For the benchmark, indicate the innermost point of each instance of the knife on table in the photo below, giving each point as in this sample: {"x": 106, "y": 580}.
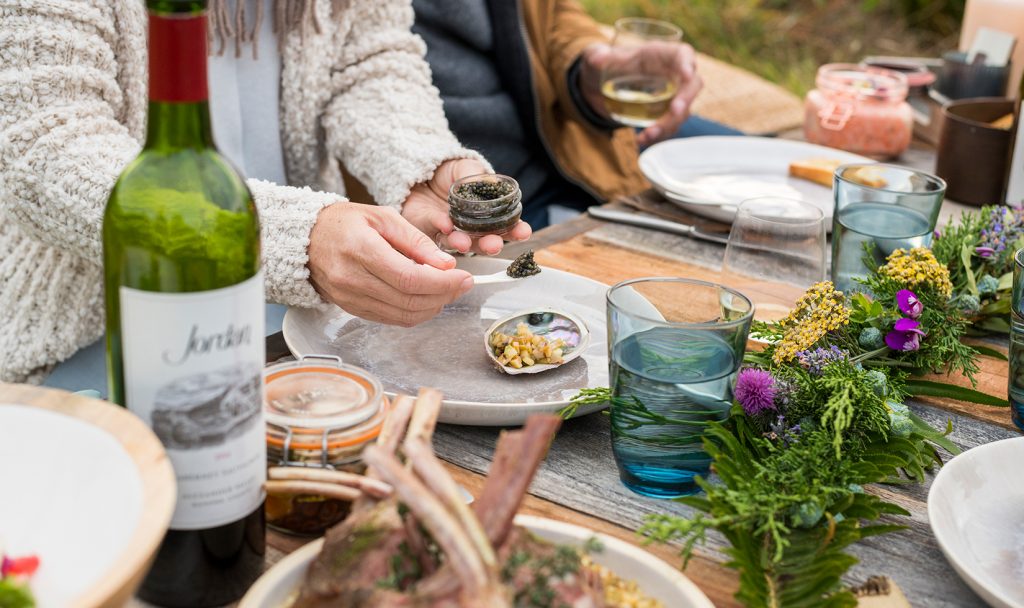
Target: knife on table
{"x": 655, "y": 223}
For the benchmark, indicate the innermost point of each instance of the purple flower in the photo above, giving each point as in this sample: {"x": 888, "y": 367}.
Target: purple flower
{"x": 905, "y": 335}
{"x": 780, "y": 429}
{"x": 814, "y": 361}
{"x": 985, "y": 252}
{"x": 755, "y": 390}
{"x": 909, "y": 304}
{"x": 936, "y": 233}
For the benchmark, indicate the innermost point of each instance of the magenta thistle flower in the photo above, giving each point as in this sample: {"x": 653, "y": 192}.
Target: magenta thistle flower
{"x": 909, "y": 304}
{"x": 755, "y": 391}
{"x": 905, "y": 335}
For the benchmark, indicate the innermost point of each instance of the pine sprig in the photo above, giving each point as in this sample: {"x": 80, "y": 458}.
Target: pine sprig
{"x": 788, "y": 514}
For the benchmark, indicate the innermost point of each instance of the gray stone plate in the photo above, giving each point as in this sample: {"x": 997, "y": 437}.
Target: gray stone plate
{"x": 447, "y": 352}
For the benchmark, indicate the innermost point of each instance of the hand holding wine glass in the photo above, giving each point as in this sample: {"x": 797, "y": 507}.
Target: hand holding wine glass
{"x": 646, "y": 78}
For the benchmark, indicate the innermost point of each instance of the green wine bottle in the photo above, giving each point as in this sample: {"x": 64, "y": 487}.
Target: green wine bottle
{"x": 185, "y": 322}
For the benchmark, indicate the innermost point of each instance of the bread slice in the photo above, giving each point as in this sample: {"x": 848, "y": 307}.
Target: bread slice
{"x": 821, "y": 170}
{"x": 817, "y": 170}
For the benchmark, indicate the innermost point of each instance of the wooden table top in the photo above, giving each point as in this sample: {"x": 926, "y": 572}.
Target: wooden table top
{"x": 579, "y": 483}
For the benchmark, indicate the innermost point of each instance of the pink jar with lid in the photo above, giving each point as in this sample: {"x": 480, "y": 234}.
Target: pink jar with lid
{"x": 859, "y": 109}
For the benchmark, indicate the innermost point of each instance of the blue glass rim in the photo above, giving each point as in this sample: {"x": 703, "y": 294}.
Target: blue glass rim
{"x": 731, "y": 324}
{"x": 939, "y": 183}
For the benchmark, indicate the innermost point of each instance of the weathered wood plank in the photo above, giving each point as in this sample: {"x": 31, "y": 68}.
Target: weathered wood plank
{"x": 580, "y": 474}
{"x": 579, "y": 481}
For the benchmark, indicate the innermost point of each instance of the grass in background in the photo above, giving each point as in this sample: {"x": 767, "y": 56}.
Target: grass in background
{"x": 786, "y": 40}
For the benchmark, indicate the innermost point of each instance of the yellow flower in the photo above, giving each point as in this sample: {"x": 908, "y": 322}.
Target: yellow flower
{"x": 820, "y": 310}
{"x": 917, "y": 267}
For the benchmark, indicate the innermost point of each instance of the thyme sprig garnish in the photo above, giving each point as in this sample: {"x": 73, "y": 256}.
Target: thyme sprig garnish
{"x": 586, "y": 396}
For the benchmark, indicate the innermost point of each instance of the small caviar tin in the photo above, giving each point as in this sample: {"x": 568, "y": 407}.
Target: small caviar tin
{"x": 320, "y": 413}
{"x": 485, "y": 204}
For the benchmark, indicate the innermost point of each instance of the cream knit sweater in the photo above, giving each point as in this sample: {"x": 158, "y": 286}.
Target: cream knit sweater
{"x": 73, "y": 113}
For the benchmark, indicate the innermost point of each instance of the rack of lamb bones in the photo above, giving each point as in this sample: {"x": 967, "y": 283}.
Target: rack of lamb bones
{"x": 424, "y": 547}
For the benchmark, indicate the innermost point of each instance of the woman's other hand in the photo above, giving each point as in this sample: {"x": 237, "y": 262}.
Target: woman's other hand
{"x": 374, "y": 264}
{"x": 427, "y": 209}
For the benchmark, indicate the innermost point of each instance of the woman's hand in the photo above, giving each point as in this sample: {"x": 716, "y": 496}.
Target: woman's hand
{"x": 427, "y": 209}
{"x": 674, "y": 60}
{"x": 374, "y": 264}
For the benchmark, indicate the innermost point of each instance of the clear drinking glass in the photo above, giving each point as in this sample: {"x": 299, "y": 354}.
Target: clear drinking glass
{"x": 881, "y": 208}
{"x": 776, "y": 250}
{"x": 676, "y": 346}
{"x": 637, "y": 92}
{"x": 1017, "y": 342}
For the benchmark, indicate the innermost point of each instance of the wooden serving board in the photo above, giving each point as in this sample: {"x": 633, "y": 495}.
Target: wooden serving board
{"x": 159, "y": 490}
{"x": 604, "y": 262}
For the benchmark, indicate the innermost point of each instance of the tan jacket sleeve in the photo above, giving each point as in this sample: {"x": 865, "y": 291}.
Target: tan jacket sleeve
{"x": 571, "y": 30}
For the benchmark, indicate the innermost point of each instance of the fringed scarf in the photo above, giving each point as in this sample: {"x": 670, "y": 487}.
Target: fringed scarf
{"x": 229, "y": 24}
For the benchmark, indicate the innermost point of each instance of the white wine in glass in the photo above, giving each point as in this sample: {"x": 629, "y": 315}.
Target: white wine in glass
{"x": 637, "y": 92}
{"x": 638, "y": 100}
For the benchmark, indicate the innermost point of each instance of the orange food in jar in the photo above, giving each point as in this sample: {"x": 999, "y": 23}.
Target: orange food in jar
{"x": 859, "y": 109}
{"x": 320, "y": 413}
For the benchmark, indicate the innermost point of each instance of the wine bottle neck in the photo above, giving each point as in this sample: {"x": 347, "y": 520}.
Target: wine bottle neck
{"x": 179, "y": 113}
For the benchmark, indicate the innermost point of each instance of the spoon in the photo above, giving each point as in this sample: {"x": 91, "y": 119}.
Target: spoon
{"x": 499, "y": 277}
{"x": 550, "y": 323}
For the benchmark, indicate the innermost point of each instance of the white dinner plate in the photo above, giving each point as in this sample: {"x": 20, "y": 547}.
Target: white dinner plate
{"x": 74, "y": 496}
{"x": 976, "y": 510}
{"x": 447, "y": 352}
{"x": 279, "y": 586}
{"x": 712, "y": 175}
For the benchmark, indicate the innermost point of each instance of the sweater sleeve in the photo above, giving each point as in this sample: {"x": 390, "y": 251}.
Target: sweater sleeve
{"x": 64, "y": 139}
{"x": 62, "y": 144}
{"x": 287, "y": 216}
{"x": 385, "y": 121}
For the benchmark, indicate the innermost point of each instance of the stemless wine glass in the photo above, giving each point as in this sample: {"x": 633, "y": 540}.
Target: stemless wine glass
{"x": 878, "y": 209}
{"x": 776, "y": 250}
{"x": 637, "y": 92}
{"x": 675, "y": 349}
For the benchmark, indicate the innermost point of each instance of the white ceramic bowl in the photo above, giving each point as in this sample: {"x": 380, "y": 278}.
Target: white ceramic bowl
{"x": 656, "y": 578}
{"x": 88, "y": 489}
{"x": 976, "y": 510}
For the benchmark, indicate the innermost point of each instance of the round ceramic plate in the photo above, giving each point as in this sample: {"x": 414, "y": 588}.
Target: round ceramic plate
{"x": 447, "y": 352}
{"x": 976, "y": 510}
{"x": 76, "y": 485}
{"x": 278, "y": 587}
{"x": 712, "y": 175}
